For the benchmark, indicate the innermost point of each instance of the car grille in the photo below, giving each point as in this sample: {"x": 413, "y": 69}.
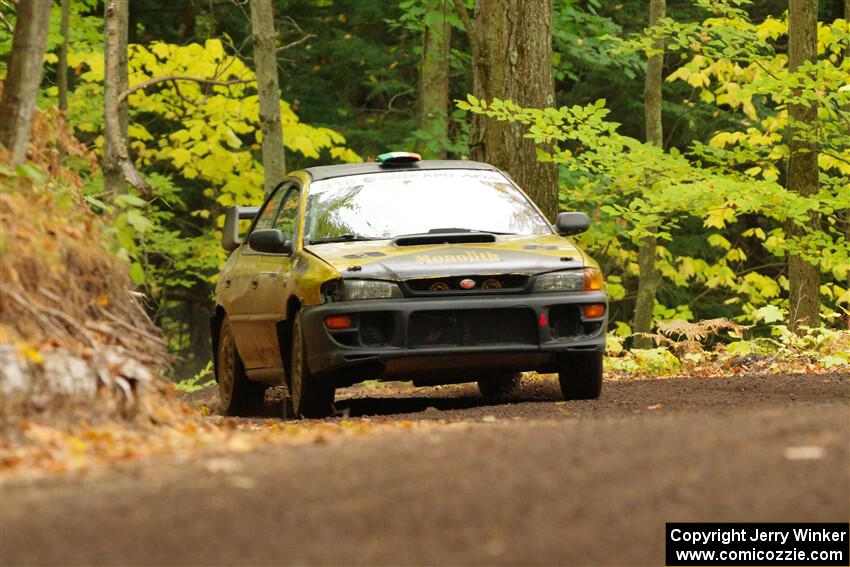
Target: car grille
{"x": 501, "y": 283}
{"x": 472, "y": 327}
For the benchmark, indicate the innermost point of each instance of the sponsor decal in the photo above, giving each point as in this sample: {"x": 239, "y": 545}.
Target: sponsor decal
{"x": 461, "y": 257}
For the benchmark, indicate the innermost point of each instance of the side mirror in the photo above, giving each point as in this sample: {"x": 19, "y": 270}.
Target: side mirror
{"x": 230, "y": 233}
{"x": 572, "y": 223}
{"x": 270, "y": 240}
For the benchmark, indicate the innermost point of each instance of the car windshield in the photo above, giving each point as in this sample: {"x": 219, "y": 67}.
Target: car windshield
{"x": 386, "y": 205}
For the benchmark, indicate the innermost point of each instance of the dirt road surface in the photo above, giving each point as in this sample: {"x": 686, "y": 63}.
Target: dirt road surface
{"x": 534, "y": 482}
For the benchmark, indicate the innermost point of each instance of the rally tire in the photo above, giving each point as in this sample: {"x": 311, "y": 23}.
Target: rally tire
{"x": 580, "y": 375}
{"x": 312, "y": 397}
{"x": 238, "y": 394}
{"x": 499, "y": 386}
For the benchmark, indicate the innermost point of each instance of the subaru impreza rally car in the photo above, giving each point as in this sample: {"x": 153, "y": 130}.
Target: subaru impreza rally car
{"x": 402, "y": 269}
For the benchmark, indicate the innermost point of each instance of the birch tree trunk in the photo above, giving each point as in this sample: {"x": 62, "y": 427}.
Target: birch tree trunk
{"x": 265, "y": 63}
{"x": 648, "y": 280}
{"x": 433, "y": 111}
{"x": 118, "y": 168}
{"x": 23, "y": 77}
{"x": 803, "y": 277}
{"x": 512, "y": 59}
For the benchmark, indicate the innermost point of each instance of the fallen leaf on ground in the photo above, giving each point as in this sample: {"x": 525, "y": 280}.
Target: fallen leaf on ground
{"x": 222, "y": 465}
{"x": 804, "y": 453}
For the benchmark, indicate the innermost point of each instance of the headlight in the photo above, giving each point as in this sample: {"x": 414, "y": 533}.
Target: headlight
{"x": 369, "y": 289}
{"x": 588, "y": 279}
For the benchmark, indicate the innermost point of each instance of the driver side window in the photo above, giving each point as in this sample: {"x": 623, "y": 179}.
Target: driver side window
{"x": 288, "y": 216}
{"x": 264, "y": 220}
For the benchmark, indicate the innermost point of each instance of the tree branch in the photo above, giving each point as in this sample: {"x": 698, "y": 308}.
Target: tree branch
{"x": 464, "y": 17}
{"x": 181, "y": 95}
{"x": 172, "y": 78}
{"x": 296, "y": 42}
{"x": 6, "y": 23}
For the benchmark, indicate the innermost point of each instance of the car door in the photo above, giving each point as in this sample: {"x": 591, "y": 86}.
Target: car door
{"x": 270, "y": 278}
{"x": 241, "y": 282}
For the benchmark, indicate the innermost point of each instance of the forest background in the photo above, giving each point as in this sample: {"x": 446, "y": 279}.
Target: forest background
{"x": 705, "y": 221}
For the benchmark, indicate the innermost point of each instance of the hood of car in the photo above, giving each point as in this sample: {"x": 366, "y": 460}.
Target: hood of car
{"x": 381, "y": 259}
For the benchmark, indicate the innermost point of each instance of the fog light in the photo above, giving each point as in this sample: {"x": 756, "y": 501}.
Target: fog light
{"x": 338, "y": 322}
{"x": 594, "y": 310}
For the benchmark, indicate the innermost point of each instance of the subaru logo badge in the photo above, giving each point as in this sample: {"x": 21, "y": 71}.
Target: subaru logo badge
{"x": 467, "y": 283}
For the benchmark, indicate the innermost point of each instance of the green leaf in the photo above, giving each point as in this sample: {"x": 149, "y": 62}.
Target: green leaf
{"x": 769, "y": 314}
{"x": 137, "y": 273}
{"x": 128, "y": 200}
{"x": 138, "y": 221}
{"x": 31, "y": 172}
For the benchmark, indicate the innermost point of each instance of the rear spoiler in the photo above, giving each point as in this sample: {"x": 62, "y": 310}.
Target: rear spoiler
{"x": 230, "y": 233}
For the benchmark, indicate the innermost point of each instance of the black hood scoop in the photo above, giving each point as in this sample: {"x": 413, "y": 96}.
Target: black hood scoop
{"x": 448, "y": 236}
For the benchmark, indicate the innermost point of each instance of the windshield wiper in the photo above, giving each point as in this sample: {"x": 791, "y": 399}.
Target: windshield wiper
{"x": 340, "y": 238}
{"x": 493, "y": 232}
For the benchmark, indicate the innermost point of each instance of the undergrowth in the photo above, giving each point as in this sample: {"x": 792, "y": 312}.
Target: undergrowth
{"x": 720, "y": 346}
{"x": 73, "y": 333}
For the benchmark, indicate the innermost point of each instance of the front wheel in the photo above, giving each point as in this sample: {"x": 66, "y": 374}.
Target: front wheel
{"x": 238, "y": 394}
{"x": 580, "y": 375}
{"x": 311, "y": 396}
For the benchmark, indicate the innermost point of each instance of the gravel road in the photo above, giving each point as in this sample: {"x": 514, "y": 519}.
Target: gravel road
{"x": 532, "y": 481}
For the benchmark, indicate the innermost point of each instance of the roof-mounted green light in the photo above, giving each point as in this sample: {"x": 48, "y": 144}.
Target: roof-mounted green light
{"x": 393, "y": 159}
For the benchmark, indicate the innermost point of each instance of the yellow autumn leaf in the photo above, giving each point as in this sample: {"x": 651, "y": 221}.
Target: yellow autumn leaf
{"x": 682, "y": 73}
{"x": 719, "y": 241}
{"x": 718, "y": 218}
{"x": 161, "y": 50}
{"x": 76, "y": 445}
{"x": 180, "y": 156}
{"x": 214, "y": 49}
{"x": 698, "y": 80}
{"x": 771, "y": 28}
{"x": 757, "y": 232}
{"x": 749, "y": 109}
{"x": 30, "y": 353}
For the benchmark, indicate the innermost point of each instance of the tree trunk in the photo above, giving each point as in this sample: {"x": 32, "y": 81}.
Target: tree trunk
{"x": 847, "y": 110}
{"x": 512, "y": 59}
{"x": 803, "y": 277}
{"x": 433, "y": 111}
{"x": 265, "y": 63}
{"x": 118, "y": 168}
{"x": 213, "y": 23}
{"x": 62, "y": 66}
{"x": 648, "y": 280}
{"x": 23, "y": 77}
{"x": 197, "y": 316}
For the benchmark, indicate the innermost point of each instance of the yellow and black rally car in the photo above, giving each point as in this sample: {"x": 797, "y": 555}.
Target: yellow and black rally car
{"x": 433, "y": 271}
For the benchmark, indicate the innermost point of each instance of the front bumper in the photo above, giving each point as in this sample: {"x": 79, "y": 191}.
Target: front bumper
{"x": 447, "y": 338}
